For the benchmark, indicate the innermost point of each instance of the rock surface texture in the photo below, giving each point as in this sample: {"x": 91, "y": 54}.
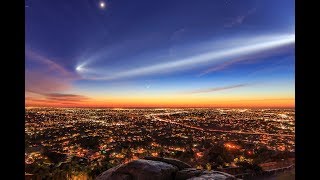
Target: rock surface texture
{"x": 156, "y": 168}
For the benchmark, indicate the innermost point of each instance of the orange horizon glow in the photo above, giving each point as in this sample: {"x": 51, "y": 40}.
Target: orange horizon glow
{"x": 169, "y": 103}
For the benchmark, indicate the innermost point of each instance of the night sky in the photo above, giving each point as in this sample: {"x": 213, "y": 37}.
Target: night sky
{"x": 166, "y": 53}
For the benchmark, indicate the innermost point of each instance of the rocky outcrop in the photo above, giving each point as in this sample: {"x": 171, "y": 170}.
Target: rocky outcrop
{"x": 214, "y": 175}
{"x": 187, "y": 173}
{"x": 156, "y": 168}
{"x": 181, "y": 165}
{"x": 140, "y": 169}
{"x": 211, "y": 177}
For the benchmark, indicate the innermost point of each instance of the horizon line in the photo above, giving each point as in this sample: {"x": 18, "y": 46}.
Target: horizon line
{"x": 153, "y": 107}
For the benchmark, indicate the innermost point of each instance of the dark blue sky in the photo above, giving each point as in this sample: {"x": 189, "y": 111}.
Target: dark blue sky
{"x": 159, "y": 47}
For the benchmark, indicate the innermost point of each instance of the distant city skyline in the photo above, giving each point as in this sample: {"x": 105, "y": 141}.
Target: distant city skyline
{"x": 121, "y": 53}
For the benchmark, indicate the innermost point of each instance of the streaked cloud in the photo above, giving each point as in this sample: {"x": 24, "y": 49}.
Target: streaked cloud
{"x": 240, "y": 19}
{"x": 45, "y": 83}
{"x": 46, "y": 89}
{"x": 244, "y": 47}
{"x": 221, "y": 66}
{"x": 251, "y": 58}
{"x": 216, "y": 89}
{"x": 177, "y": 34}
{"x": 37, "y": 81}
{"x": 30, "y": 101}
{"x": 65, "y": 97}
{"x": 48, "y": 63}
{"x": 53, "y": 99}
{"x": 46, "y": 75}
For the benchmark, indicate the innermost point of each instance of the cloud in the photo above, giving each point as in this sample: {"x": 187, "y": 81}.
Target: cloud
{"x": 251, "y": 58}
{"x": 177, "y": 34}
{"x": 65, "y": 97}
{"x": 216, "y": 89}
{"x": 46, "y": 75}
{"x": 54, "y": 99}
{"x": 30, "y": 102}
{"x": 236, "y": 21}
{"x": 221, "y": 66}
{"x": 239, "y": 19}
{"x": 244, "y": 47}
{"x": 48, "y": 63}
{"x": 44, "y": 84}
{"x": 47, "y": 92}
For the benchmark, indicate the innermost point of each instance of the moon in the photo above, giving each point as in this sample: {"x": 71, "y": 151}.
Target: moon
{"x": 102, "y": 5}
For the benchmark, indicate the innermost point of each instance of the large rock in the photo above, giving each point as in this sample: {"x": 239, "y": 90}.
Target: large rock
{"x": 140, "y": 170}
{"x": 181, "y": 165}
{"x": 213, "y": 175}
{"x": 187, "y": 173}
{"x": 210, "y": 176}
{"x": 162, "y": 169}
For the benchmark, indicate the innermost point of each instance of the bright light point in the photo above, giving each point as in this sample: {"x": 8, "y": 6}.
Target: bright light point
{"x": 102, "y": 5}
{"x": 78, "y": 68}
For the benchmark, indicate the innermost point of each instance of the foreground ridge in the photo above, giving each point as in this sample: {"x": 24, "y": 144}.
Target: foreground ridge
{"x": 158, "y": 168}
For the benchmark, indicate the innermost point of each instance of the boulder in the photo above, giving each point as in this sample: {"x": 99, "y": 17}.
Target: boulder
{"x": 141, "y": 170}
{"x": 160, "y": 169}
{"x": 181, "y": 165}
{"x": 187, "y": 173}
{"x": 209, "y": 177}
{"x": 213, "y": 175}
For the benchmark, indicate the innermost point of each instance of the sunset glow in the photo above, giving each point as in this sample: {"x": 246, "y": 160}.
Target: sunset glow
{"x": 174, "y": 63}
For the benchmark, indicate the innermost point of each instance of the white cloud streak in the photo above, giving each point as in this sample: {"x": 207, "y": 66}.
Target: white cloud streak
{"x": 246, "y": 47}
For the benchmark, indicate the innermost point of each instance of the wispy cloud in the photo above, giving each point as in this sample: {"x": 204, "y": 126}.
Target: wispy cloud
{"x": 47, "y": 76}
{"x": 65, "y": 97}
{"x": 216, "y": 89}
{"x": 57, "y": 98}
{"x": 240, "y": 19}
{"x": 246, "y": 47}
{"x": 45, "y": 83}
{"x": 31, "y": 101}
{"x": 251, "y": 58}
{"x": 221, "y": 66}
{"x": 49, "y": 63}
{"x": 177, "y": 34}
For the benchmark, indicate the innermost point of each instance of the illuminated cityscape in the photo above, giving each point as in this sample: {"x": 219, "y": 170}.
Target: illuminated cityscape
{"x": 206, "y": 83}
{"x": 89, "y": 137}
